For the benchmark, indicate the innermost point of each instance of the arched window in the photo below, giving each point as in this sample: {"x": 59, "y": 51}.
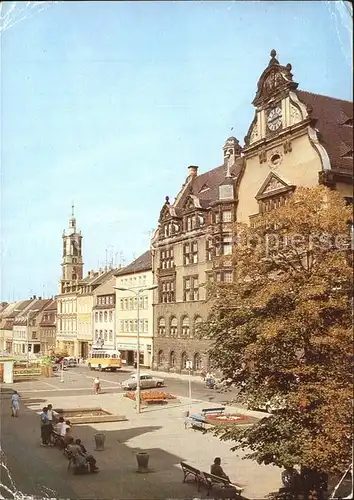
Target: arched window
{"x": 197, "y": 362}
{"x": 185, "y": 326}
{"x": 105, "y": 316}
{"x": 172, "y": 359}
{"x": 160, "y": 357}
{"x": 162, "y": 327}
{"x": 101, "y": 316}
{"x": 197, "y": 322}
{"x": 173, "y": 327}
{"x": 96, "y": 316}
{"x": 184, "y": 359}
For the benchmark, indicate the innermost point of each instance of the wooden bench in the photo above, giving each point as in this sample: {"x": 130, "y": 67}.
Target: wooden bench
{"x": 209, "y": 480}
{"x": 195, "y": 421}
{"x": 213, "y": 411}
{"x": 189, "y": 470}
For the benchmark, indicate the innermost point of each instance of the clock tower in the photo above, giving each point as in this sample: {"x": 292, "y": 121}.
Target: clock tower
{"x": 276, "y": 103}
{"x": 72, "y": 265}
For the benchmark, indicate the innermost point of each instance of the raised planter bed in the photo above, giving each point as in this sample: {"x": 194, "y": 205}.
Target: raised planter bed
{"x": 153, "y": 397}
{"x": 230, "y": 419}
{"x": 89, "y": 415}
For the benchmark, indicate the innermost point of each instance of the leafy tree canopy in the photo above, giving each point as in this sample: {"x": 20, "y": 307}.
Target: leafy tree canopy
{"x": 283, "y": 330}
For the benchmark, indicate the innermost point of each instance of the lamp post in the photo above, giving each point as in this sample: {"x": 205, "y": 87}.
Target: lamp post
{"x": 137, "y": 294}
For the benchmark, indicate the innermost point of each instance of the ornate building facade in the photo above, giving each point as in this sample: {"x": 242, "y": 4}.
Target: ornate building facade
{"x": 295, "y": 139}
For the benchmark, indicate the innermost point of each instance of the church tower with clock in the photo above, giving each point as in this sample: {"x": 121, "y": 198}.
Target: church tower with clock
{"x": 72, "y": 265}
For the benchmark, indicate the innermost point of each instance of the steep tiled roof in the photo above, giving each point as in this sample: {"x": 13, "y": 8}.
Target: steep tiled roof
{"x": 142, "y": 263}
{"x": 36, "y": 306}
{"x": 51, "y": 306}
{"x": 333, "y": 123}
{"x": 205, "y": 186}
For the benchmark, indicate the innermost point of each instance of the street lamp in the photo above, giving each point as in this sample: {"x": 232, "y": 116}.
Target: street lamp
{"x": 137, "y": 294}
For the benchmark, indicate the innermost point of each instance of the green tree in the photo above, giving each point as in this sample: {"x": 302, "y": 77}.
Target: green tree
{"x": 283, "y": 330}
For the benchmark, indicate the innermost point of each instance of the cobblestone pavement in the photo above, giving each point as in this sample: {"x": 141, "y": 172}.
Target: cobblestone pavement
{"x": 158, "y": 430}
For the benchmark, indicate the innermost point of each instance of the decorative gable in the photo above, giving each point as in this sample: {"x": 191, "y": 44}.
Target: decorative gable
{"x": 274, "y": 80}
{"x": 165, "y": 211}
{"x": 273, "y": 185}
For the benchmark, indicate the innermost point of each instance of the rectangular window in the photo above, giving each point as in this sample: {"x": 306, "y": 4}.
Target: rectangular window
{"x": 227, "y": 244}
{"x": 146, "y": 326}
{"x": 191, "y": 289}
{"x": 167, "y": 289}
{"x": 209, "y": 249}
{"x": 228, "y": 276}
{"x": 166, "y": 258}
{"x": 190, "y": 253}
{"x": 226, "y": 216}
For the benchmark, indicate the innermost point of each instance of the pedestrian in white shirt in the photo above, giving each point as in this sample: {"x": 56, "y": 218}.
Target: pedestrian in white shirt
{"x": 65, "y": 425}
{"x": 96, "y": 385}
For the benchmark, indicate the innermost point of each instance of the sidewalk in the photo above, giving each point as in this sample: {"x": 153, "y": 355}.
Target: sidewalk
{"x": 160, "y": 432}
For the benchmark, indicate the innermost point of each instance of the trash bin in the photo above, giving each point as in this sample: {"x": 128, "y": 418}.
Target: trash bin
{"x": 99, "y": 440}
{"x": 143, "y": 461}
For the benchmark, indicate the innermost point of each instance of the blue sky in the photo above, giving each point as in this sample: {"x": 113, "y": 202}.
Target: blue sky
{"x": 107, "y": 103}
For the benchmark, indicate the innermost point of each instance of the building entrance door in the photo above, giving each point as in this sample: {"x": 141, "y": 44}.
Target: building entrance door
{"x": 130, "y": 358}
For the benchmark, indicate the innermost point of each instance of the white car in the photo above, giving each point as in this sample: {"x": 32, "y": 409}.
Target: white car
{"x": 146, "y": 382}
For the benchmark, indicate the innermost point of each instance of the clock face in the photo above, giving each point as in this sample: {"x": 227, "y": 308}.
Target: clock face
{"x": 274, "y": 119}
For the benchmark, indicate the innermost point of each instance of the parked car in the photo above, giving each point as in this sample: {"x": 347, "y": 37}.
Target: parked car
{"x": 271, "y": 406}
{"x": 70, "y": 362}
{"x": 146, "y": 382}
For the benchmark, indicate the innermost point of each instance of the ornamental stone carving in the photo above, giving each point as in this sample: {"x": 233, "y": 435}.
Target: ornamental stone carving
{"x": 254, "y": 134}
{"x": 295, "y": 115}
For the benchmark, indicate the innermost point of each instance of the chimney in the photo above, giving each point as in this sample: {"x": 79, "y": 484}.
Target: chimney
{"x": 39, "y": 298}
{"x": 34, "y": 297}
{"x": 193, "y": 171}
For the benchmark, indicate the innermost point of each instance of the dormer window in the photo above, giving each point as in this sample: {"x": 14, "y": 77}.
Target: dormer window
{"x": 349, "y": 122}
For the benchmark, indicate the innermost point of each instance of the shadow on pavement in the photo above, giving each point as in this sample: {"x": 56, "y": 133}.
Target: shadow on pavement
{"x": 43, "y": 471}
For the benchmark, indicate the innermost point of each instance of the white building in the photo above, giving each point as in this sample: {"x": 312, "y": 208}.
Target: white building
{"x": 136, "y": 277}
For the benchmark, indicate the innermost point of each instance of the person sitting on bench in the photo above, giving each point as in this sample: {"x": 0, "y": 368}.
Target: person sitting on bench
{"x": 81, "y": 460}
{"x": 217, "y": 470}
{"x": 90, "y": 458}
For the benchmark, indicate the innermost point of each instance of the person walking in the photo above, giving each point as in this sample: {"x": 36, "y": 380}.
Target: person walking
{"x": 15, "y": 404}
{"x": 96, "y": 385}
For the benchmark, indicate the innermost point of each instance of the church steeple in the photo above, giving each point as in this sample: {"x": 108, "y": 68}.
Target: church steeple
{"x": 72, "y": 265}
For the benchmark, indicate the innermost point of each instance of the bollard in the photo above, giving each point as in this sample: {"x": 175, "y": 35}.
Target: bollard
{"x": 143, "y": 461}
{"x": 99, "y": 440}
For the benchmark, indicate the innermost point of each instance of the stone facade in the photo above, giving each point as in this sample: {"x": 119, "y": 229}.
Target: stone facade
{"x": 295, "y": 139}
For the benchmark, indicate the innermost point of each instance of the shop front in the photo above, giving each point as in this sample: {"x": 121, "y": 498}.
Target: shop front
{"x": 6, "y": 370}
{"x": 128, "y": 352}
